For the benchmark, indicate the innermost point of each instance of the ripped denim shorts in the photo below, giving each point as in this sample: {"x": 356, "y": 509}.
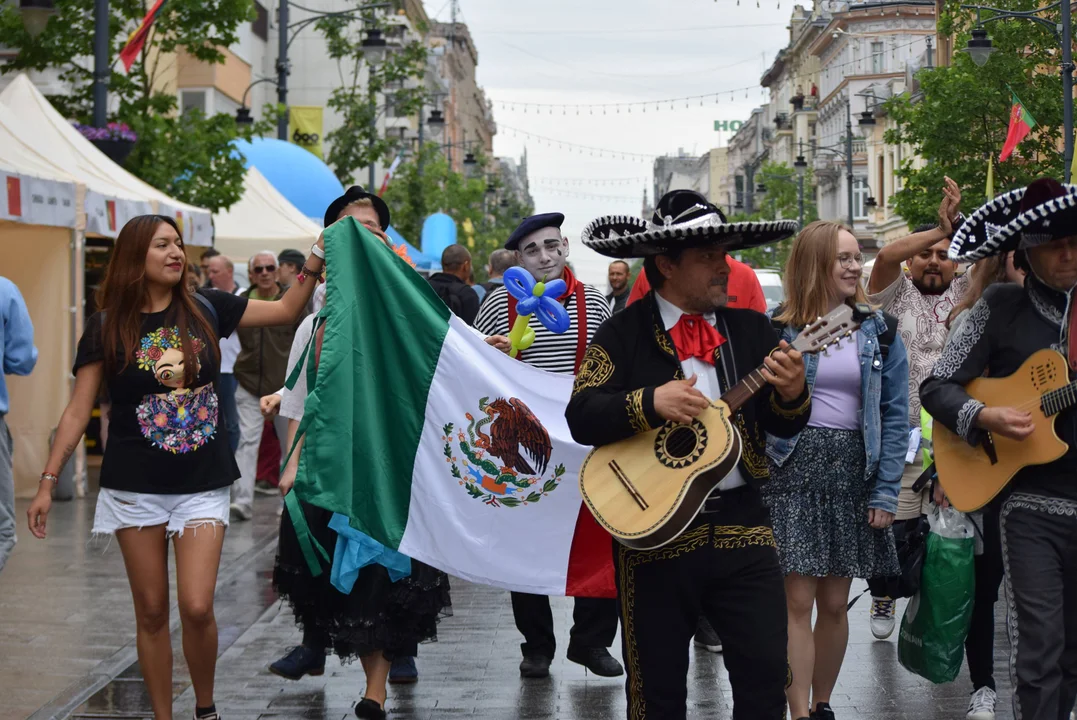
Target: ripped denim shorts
{"x": 119, "y": 509}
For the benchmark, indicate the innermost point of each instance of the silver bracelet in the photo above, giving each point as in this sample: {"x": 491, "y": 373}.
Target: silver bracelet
{"x": 317, "y": 252}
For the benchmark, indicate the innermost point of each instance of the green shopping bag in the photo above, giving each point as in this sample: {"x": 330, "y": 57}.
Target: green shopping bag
{"x": 932, "y": 638}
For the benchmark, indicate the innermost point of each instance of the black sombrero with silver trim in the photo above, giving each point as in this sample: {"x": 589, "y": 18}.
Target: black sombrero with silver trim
{"x": 682, "y": 219}
{"x": 1048, "y": 212}
{"x": 977, "y": 237}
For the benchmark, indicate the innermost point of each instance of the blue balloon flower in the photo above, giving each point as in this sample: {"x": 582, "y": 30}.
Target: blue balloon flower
{"x": 552, "y": 314}
{"x": 519, "y": 283}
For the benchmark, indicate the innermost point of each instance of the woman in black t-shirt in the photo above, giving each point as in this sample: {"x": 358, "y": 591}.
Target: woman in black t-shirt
{"x": 167, "y": 466}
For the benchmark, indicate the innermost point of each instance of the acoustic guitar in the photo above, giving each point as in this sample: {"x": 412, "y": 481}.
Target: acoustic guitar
{"x": 647, "y": 489}
{"x": 973, "y": 475}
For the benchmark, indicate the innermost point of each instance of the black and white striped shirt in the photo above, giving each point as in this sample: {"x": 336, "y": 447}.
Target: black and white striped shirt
{"x": 553, "y": 352}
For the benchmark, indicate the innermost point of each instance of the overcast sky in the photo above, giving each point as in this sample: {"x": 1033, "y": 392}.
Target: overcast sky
{"x": 614, "y": 51}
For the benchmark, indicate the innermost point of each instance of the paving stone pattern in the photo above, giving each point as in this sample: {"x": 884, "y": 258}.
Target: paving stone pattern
{"x": 67, "y": 632}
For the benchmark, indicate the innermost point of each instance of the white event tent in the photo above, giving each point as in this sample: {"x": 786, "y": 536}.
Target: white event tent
{"x": 262, "y": 219}
{"x": 53, "y": 137}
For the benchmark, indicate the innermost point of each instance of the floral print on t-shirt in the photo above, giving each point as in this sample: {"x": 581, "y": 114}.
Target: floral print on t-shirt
{"x": 183, "y": 419}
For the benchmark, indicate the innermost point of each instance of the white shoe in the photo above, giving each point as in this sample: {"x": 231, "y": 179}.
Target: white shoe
{"x": 243, "y": 513}
{"x": 882, "y": 617}
{"x": 982, "y": 705}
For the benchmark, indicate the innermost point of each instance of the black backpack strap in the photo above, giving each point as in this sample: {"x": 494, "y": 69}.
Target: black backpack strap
{"x": 212, "y": 312}
{"x": 889, "y": 335}
{"x": 778, "y": 325}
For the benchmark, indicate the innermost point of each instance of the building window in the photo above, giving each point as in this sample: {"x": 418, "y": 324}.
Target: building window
{"x": 860, "y": 195}
{"x": 192, "y": 100}
{"x": 260, "y": 26}
{"x": 878, "y": 58}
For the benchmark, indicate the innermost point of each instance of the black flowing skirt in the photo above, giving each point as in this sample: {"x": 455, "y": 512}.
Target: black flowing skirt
{"x": 378, "y": 614}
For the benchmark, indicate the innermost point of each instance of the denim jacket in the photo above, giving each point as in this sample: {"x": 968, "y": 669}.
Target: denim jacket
{"x": 883, "y": 415}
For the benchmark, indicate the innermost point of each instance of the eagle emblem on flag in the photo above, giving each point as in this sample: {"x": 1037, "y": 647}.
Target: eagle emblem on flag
{"x": 502, "y": 455}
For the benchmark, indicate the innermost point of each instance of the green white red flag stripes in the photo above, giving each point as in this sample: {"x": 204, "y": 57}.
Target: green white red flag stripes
{"x": 436, "y": 444}
{"x": 1021, "y": 124}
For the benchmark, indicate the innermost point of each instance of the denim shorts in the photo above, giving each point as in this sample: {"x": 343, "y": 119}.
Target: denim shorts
{"x": 119, "y": 509}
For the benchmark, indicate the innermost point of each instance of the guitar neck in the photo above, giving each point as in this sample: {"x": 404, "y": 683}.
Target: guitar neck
{"x": 1056, "y": 401}
{"x": 743, "y": 391}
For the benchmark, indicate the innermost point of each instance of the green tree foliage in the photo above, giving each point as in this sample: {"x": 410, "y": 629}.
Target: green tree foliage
{"x": 960, "y": 116}
{"x": 366, "y": 93}
{"x": 187, "y": 156}
{"x": 420, "y": 189}
{"x": 779, "y": 202}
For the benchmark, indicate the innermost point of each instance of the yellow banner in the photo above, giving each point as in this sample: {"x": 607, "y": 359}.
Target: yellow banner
{"x": 305, "y": 128}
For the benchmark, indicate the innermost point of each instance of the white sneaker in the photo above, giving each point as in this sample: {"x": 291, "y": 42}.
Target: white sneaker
{"x": 982, "y": 705}
{"x": 882, "y": 617}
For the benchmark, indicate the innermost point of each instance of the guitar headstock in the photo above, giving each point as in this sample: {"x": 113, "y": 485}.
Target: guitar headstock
{"x": 838, "y": 324}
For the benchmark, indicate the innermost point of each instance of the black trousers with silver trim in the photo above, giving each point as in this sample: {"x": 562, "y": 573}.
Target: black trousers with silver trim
{"x": 1039, "y": 550}
{"x": 725, "y": 568}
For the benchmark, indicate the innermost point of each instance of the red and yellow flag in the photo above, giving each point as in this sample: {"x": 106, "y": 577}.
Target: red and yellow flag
{"x": 138, "y": 38}
{"x": 1021, "y": 124}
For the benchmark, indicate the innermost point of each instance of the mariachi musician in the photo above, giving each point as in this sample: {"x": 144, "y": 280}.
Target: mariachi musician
{"x": 663, "y": 359}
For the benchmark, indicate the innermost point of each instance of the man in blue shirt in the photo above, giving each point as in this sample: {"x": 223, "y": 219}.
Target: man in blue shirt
{"x": 18, "y": 356}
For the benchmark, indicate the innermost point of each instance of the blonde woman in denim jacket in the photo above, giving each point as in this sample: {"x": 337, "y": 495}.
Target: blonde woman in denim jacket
{"x": 834, "y": 487}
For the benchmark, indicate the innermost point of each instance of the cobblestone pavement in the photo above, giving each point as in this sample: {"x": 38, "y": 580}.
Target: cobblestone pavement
{"x": 67, "y": 632}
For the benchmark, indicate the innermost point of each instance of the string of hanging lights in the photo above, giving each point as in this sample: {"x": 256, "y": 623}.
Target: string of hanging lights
{"x": 687, "y": 102}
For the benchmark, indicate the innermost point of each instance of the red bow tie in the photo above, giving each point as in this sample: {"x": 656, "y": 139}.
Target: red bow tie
{"x": 694, "y": 337}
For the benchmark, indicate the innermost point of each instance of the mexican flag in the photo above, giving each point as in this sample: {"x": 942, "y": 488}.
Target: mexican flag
{"x": 1021, "y": 124}
{"x": 436, "y": 444}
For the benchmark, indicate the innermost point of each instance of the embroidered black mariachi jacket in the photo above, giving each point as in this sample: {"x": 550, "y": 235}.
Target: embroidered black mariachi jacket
{"x": 1000, "y": 332}
{"x": 632, "y": 354}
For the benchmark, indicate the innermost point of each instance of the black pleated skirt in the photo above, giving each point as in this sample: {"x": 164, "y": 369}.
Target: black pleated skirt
{"x": 378, "y": 614}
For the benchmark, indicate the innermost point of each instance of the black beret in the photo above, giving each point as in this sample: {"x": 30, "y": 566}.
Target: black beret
{"x": 356, "y": 192}
{"x": 530, "y": 225}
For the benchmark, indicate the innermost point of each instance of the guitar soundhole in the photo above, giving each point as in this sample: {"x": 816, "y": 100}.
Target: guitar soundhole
{"x": 678, "y": 446}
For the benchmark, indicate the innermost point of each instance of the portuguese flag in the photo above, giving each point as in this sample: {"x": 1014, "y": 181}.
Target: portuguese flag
{"x": 1021, "y": 124}
{"x": 434, "y": 443}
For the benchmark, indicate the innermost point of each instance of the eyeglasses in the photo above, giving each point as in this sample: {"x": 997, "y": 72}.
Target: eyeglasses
{"x": 259, "y": 269}
{"x": 847, "y": 261}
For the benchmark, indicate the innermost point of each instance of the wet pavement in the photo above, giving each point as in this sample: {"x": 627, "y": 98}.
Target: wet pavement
{"x": 67, "y": 649}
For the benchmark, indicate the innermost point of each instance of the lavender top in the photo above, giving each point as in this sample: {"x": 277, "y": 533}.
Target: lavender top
{"x": 835, "y": 399}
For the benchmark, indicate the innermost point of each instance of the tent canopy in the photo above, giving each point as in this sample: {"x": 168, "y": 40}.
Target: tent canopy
{"x": 32, "y": 189}
{"x": 262, "y": 220}
{"x": 113, "y": 195}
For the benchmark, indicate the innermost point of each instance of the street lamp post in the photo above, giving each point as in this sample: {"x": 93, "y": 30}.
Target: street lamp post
{"x": 801, "y": 166}
{"x": 979, "y": 49}
{"x": 849, "y": 158}
{"x": 283, "y": 68}
{"x": 375, "y": 49}
{"x": 35, "y": 16}
{"x": 102, "y": 69}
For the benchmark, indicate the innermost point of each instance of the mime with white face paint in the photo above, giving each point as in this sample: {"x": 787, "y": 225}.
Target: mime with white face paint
{"x": 542, "y": 250}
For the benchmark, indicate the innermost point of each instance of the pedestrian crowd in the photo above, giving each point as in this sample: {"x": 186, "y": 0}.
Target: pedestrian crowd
{"x": 834, "y": 481}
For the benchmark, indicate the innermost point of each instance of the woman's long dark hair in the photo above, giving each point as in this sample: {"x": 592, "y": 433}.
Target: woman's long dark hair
{"x": 125, "y": 292}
